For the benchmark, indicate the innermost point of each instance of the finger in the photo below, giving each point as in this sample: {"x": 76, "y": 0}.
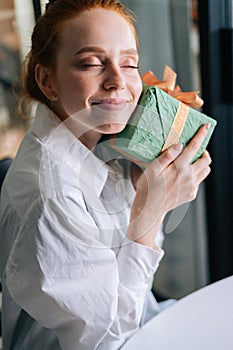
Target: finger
{"x": 203, "y": 161}
{"x": 203, "y": 174}
{"x": 167, "y": 157}
{"x": 196, "y": 142}
{"x": 207, "y": 157}
{"x": 202, "y": 166}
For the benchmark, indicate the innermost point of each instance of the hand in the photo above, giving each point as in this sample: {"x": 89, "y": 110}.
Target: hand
{"x": 169, "y": 181}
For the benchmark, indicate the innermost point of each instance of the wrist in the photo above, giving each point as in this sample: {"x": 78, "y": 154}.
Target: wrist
{"x": 144, "y": 230}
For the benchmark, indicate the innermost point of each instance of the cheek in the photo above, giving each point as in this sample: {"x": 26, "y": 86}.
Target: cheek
{"x": 75, "y": 92}
{"x": 137, "y": 89}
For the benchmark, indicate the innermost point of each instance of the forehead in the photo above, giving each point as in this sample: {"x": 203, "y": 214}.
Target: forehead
{"x": 98, "y": 26}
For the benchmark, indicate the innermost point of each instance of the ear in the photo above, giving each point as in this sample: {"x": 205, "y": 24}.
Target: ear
{"x": 43, "y": 77}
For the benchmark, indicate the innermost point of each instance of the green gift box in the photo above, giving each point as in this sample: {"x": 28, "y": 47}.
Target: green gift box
{"x": 158, "y": 121}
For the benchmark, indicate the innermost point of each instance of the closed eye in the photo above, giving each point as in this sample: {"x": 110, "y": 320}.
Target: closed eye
{"x": 91, "y": 65}
{"x": 87, "y": 66}
{"x": 129, "y": 66}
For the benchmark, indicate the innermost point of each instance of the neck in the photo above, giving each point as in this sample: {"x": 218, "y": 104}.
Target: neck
{"x": 90, "y": 138}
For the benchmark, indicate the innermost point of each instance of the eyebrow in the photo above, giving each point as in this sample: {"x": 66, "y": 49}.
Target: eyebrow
{"x": 99, "y": 49}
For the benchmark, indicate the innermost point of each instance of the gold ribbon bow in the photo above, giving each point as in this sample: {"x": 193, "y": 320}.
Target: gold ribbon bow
{"x": 168, "y": 84}
{"x": 186, "y": 99}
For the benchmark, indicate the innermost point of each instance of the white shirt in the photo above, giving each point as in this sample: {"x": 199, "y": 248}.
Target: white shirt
{"x": 70, "y": 278}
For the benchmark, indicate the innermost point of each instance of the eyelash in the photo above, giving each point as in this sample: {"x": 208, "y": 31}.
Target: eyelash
{"x": 100, "y": 65}
{"x": 133, "y": 67}
{"x": 91, "y": 65}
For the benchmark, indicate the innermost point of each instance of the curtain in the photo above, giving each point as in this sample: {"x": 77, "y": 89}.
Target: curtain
{"x": 216, "y": 28}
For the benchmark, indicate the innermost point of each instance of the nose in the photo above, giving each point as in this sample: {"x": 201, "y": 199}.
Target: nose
{"x": 114, "y": 79}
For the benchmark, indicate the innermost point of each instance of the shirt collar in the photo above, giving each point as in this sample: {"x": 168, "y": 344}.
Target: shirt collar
{"x": 62, "y": 143}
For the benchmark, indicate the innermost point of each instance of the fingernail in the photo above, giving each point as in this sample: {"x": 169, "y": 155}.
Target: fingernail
{"x": 208, "y": 125}
{"x": 178, "y": 147}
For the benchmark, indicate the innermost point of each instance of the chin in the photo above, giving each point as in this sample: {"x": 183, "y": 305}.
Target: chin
{"x": 111, "y": 128}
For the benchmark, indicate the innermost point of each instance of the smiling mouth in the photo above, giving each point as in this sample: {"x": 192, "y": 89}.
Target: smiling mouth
{"x": 111, "y": 104}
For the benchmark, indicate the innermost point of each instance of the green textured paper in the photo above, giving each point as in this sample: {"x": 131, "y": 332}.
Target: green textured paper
{"x": 147, "y": 130}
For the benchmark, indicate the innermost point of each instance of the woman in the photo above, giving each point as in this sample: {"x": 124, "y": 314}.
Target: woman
{"x": 80, "y": 243}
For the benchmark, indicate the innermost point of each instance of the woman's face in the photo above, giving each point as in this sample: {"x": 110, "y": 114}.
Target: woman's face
{"x": 96, "y": 78}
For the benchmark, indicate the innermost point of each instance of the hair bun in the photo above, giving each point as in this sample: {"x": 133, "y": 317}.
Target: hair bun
{"x": 50, "y": 3}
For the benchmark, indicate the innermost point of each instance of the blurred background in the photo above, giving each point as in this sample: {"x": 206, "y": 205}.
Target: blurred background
{"x": 195, "y": 39}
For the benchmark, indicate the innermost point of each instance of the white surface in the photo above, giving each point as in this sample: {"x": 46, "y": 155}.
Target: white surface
{"x": 202, "y": 320}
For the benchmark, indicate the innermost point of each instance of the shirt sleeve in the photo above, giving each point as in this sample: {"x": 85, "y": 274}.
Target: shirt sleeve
{"x": 61, "y": 274}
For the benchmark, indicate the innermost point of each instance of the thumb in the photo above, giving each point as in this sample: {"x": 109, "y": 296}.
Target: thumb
{"x": 168, "y": 156}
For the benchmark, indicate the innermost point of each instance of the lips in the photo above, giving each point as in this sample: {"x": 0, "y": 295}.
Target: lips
{"x": 111, "y": 103}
